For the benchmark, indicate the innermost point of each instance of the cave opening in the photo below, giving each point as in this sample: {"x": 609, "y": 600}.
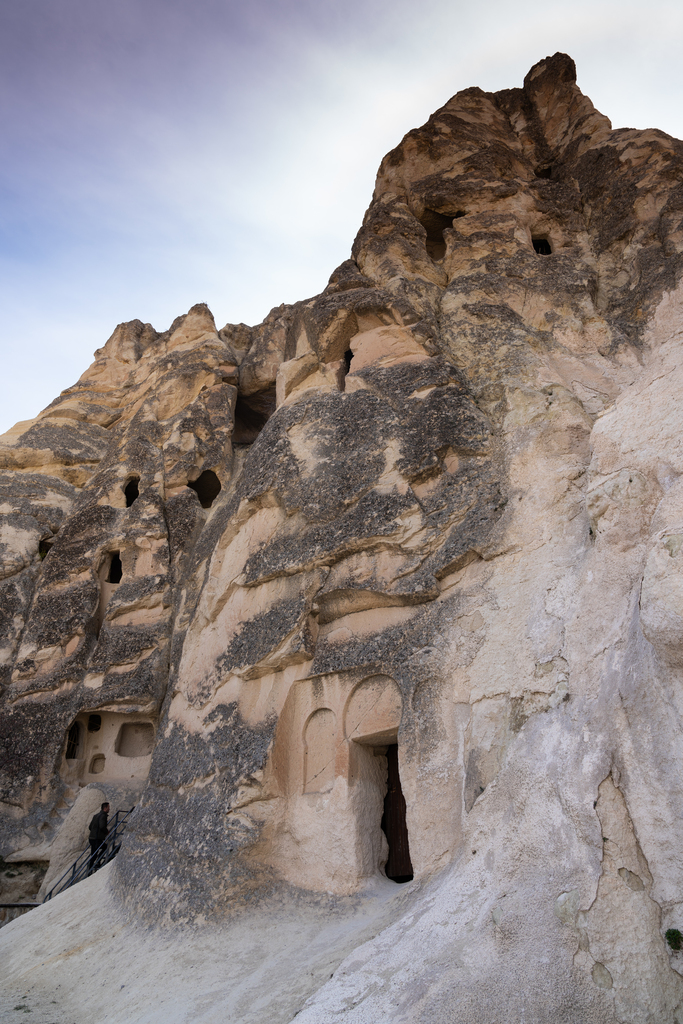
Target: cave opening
{"x": 43, "y": 548}
{"x": 544, "y": 172}
{"x": 131, "y": 490}
{"x": 541, "y": 246}
{"x": 115, "y": 571}
{"x": 252, "y": 412}
{"x": 399, "y": 866}
{"x": 435, "y": 224}
{"x": 207, "y": 487}
{"x": 94, "y": 723}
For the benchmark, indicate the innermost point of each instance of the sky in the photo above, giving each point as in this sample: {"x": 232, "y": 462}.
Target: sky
{"x": 159, "y": 153}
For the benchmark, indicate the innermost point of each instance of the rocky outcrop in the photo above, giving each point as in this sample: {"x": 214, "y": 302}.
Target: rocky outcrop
{"x": 436, "y": 508}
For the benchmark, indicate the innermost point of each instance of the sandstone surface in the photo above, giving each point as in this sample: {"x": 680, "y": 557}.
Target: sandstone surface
{"x": 433, "y": 513}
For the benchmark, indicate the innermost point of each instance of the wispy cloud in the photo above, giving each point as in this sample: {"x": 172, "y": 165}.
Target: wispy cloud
{"x": 159, "y": 153}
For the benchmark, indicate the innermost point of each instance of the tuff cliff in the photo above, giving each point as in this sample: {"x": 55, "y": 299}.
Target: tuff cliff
{"x": 436, "y": 508}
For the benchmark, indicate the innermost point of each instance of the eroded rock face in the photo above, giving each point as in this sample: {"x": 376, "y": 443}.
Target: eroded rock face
{"x": 438, "y": 506}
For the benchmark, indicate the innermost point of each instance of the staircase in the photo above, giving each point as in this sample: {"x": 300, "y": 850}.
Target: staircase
{"x": 87, "y": 863}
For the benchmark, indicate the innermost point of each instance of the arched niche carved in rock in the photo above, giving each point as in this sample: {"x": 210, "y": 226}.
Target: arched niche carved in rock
{"x": 320, "y": 745}
{"x": 373, "y": 712}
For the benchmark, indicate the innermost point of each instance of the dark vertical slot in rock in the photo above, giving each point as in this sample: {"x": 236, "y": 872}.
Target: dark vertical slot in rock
{"x": 43, "y": 548}
{"x": 94, "y": 723}
{"x": 251, "y": 415}
{"x": 207, "y": 487}
{"x": 131, "y": 490}
{"x": 73, "y": 742}
{"x": 435, "y": 224}
{"x": 115, "y": 568}
{"x": 348, "y": 356}
{"x": 399, "y": 867}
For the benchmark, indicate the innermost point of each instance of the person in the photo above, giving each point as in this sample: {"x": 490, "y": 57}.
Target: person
{"x": 99, "y": 827}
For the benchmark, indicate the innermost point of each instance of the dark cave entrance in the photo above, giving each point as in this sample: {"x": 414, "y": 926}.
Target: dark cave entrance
{"x": 399, "y": 867}
{"x": 252, "y": 412}
{"x": 207, "y": 487}
{"x": 541, "y": 246}
{"x": 435, "y": 224}
{"x": 131, "y": 490}
{"x": 43, "y": 548}
{"x": 115, "y": 568}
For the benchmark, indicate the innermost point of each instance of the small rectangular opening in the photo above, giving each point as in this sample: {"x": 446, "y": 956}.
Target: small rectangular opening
{"x": 135, "y": 739}
{"x": 541, "y": 246}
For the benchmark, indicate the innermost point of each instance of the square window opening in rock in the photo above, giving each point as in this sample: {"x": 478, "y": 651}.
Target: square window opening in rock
{"x": 135, "y": 739}
{"x": 542, "y": 246}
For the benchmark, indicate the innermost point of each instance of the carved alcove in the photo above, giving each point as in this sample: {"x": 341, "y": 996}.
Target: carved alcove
{"x": 372, "y": 720}
{"x": 330, "y": 764}
{"x": 108, "y": 746}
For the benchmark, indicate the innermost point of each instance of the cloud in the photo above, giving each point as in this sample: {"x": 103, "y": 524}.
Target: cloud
{"x": 159, "y": 153}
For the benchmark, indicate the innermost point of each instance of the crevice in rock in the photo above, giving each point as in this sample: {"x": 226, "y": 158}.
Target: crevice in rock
{"x": 44, "y": 548}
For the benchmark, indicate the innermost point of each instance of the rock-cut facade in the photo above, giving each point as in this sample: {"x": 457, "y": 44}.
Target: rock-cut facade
{"x": 387, "y": 590}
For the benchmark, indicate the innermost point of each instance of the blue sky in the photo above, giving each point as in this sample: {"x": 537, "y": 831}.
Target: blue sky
{"x": 158, "y": 153}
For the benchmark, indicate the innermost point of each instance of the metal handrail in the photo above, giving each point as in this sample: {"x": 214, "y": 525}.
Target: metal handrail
{"x": 88, "y": 862}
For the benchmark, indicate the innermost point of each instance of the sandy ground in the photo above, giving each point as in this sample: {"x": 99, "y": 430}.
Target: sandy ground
{"x": 79, "y": 960}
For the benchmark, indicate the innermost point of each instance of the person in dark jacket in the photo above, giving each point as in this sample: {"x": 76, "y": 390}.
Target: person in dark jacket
{"x": 99, "y": 827}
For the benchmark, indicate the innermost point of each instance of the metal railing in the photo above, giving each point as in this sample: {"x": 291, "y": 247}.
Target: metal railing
{"x": 88, "y": 862}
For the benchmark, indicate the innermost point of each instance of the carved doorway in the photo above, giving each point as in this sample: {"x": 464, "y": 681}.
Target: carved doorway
{"x": 398, "y": 867}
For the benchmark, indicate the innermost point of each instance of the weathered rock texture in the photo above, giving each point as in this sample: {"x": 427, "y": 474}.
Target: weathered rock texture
{"x": 450, "y": 517}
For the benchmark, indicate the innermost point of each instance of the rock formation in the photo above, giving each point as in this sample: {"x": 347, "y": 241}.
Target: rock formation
{"x": 429, "y": 521}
